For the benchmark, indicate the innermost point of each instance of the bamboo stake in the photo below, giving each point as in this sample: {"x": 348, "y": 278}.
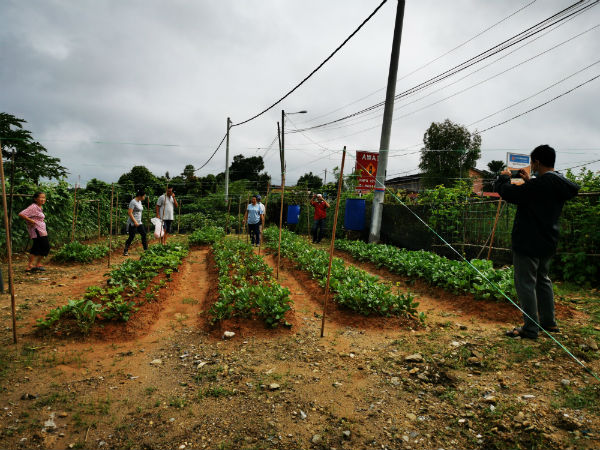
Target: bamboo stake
{"x": 12, "y": 189}
{"x": 308, "y": 221}
{"x": 228, "y": 214}
{"x": 98, "y": 219}
{"x": 112, "y": 195}
{"x": 494, "y": 228}
{"x": 74, "y": 212}
{"x": 247, "y": 228}
{"x": 8, "y": 252}
{"x": 162, "y": 216}
{"x": 178, "y": 216}
{"x": 265, "y": 214}
{"x": 118, "y": 210}
{"x": 331, "y": 246}
{"x": 239, "y": 216}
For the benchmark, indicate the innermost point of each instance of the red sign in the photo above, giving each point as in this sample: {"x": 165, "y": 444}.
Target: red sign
{"x": 366, "y": 167}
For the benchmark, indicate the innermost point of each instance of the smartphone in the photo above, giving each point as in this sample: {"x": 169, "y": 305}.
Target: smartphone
{"x": 515, "y": 173}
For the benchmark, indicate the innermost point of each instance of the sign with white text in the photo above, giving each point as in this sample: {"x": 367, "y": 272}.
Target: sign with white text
{"x": 366, "y": 167}
{"x": 516, "y": 162}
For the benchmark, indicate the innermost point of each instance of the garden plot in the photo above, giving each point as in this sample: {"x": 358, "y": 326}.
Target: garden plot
{"x": 450, "y": 382}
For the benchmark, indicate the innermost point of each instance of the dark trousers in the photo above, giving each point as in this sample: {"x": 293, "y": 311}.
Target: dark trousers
{"x": 41, "y": 245}
{"x": 254, "y": 230}
{"x": 318, "y": 229}
{"x": 132, "y": 230}
{"x": 534, "y": 289}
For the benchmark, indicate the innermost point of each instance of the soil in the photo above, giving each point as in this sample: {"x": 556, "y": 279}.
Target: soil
{"x": 168, "y": 379}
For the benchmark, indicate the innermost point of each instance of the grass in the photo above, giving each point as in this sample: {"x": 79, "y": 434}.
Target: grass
{"x": 215, "y": 392}
{"x": 177, "y": 402}
{"x": 150, "y": 390}
{"x": 189, "y": 301}
{"x": 587, "y": 397}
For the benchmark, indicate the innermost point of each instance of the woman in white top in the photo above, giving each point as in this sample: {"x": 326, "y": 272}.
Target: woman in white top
{"x": 134, "y": 221}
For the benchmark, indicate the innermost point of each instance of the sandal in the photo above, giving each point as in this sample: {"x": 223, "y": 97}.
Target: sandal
{"x": 39, "y": 269}
{"x": 553, "y": 329}
{"x": 518, "y": 333}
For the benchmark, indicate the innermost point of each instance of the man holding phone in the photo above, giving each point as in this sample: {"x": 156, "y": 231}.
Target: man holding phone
{"x": 535, "y": 233}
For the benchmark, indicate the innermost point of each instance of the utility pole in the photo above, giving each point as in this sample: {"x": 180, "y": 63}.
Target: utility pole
{"x": 325, "y": 179}
{"x": 386, "y": 128}
{"x": 227, "y": 162}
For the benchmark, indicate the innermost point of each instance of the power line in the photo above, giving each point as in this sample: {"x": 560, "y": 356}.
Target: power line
{"x": 315, "y": 70}
{"x": 429, "y": 62}
{"x": 519, "y": 37}
{"x": 460, "y": 79}
{"x": 540, "y": 105}
{"x": 214, "y": 153}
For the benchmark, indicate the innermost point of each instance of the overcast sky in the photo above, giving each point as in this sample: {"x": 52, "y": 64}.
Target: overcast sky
{"x": 171, "y": 72}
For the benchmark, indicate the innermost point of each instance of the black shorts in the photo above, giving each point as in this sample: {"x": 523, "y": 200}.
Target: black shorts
{"x": 167, "y": 225}
{"x": 41, "y": 245}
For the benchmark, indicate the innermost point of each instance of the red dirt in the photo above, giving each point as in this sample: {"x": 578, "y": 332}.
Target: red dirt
{"x": 466, "y": 307}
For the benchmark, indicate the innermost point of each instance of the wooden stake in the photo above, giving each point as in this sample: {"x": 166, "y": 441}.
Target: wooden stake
{"x": 308, "y": 221}
{"x": 98, "y": 219}
{"x": 261, "y": 228}
{"x": 335, "y": 218}
{"x": 118, "y": 211}
{"x": 12, "y": 190}
{"x": 228, "y": 214}
{"x": 494, "y": 228}
{"x": 8, "y": 251}
{"x": 112, "y": 195}
{"x": 248, "y": 228}
{"x": 74, "y": 212}
{"x": 178, "y": 216}
{"x": 239, "y": 216}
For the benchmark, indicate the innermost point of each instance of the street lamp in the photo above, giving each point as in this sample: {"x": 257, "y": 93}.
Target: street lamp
{"x": 283, "y": 114}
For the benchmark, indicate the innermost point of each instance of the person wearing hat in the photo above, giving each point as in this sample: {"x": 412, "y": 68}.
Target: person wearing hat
{"x": 320, "y": 205}
{"x": 254, "y": 217}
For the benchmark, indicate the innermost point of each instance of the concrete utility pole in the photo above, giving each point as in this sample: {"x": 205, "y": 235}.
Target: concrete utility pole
{"x": 386, "y": 128}
{"x": 227, "y": 162}
{"x": 325, "y": 179}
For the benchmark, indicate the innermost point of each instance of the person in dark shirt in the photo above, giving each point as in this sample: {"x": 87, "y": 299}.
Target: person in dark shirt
{"x": 535, "y": 233}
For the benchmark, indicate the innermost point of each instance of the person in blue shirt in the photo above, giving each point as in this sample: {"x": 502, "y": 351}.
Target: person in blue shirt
{"x": 254, "y": 217}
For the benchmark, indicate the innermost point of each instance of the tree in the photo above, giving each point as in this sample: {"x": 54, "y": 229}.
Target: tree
{"x": 31, "y": 160}
{"x": 97, "y": 186}
{"x": 449, "y": 151}
{"x": 140, "y": 178}
{"x": 496, "y": 166}
{"x": 246, "y": 168}
{"x": 310, "y": 181}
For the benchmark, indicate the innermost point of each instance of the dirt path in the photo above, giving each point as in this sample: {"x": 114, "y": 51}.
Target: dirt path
{"x": 176, "y": 384}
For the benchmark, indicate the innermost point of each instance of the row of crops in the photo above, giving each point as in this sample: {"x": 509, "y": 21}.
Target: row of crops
{"x": 352, "y": 287}
{"x": 121, "y": 296}
{"x": 247, "y": 287}
{"x": 454, "y": 276}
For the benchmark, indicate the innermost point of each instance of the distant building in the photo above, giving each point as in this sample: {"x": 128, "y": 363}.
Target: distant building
{"x": 413, "y": 183}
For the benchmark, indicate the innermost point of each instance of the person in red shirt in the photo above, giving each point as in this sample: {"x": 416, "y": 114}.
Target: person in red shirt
{"x": 320, "y": 205}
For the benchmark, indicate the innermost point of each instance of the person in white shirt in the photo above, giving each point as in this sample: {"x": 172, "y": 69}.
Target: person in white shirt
{"x": 165, "y": 211}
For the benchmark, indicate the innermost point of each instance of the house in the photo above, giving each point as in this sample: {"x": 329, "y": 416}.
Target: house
{"x": 412, "y": 183}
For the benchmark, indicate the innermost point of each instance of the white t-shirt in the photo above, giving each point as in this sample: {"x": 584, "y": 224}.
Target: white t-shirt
{"x": 167, "y": 209}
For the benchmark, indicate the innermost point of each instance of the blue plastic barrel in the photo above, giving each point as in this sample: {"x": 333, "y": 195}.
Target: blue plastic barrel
{"x": 293, "y": 214}
{"x": 354, "y": 216}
